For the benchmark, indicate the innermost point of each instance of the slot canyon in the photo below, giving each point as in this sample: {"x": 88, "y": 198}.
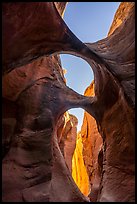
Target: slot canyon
{"x": 44, "y": 157}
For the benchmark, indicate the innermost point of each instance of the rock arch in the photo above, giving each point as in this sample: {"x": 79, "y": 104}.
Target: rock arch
{"x": 33, "y": 168}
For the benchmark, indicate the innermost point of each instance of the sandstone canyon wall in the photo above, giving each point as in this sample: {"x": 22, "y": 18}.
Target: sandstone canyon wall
{"x": 35, "y": 97}
{"x": 30, "y": 145}
{"x": 79, "y": 170}
{"x": 118, "y": 143}
{"x": 67, "y": 135}
{"x": 92, "y": 140}
{"x": 92, "y": 148}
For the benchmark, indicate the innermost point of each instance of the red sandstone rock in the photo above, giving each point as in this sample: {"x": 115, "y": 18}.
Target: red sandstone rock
{"x": 25, "y": 31}
{"x": 31, "y": 147}
{"x": 31, "y": 167}
{"x": 67, "y": 142}
{"x": 92, "y": 146}
{"x": 115, "y": 89}
{"x": 32, "y": 30}
{"x": 120, "y": 15}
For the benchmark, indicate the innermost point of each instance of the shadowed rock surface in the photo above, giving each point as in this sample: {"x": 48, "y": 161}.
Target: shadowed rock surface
{"x": 117, "y": 50}
{"x": 35, "y": 96}
{"x": 67, "y": 138}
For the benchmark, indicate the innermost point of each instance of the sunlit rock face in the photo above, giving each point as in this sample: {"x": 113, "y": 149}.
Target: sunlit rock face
{"x": 71, "y": 146}
{"x": 61, "y": 7}
{"x": 120, "y": 15}
{"x": 35, "y": 96}
{"x": 79, "y": 171}
{"x": 92, "y": 148}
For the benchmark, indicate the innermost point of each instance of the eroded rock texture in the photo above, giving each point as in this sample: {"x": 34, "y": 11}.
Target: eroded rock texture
{"x": 67, "y": 134}
{"x": 31, "y": 148}
{"x": 120, "y": 15}
{"x": 79, "y": 170}
{"x": 31, "y": 110}
{"x": 92, "y": 149}
{"x": 117, "y": 124}
{"x": 35, "y": 96}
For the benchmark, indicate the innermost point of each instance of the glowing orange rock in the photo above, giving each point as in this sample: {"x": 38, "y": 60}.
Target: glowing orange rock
{"x": 79, "y": 172}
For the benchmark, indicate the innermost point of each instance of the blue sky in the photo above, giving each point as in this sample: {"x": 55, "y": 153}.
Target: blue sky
{"x": 90, "y": 22}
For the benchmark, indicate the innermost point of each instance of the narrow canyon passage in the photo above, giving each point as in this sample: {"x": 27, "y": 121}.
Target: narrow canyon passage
{"x": 81, "y": 149}
{"x": 79, "y": 171}
{"x": 47, "y": 157}
{"x": 94, "y": 163}
{"x": 78, "y": 76}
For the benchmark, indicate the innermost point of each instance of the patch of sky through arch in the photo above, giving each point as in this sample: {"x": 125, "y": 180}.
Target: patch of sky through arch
{"x": 90, "y": 22}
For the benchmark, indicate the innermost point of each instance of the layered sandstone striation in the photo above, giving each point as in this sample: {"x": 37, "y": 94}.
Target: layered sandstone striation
{"x": 35, "y": 97}
{"x": 120, "y": 15}
{"x": 79, "y": 171}
{"x": 71, "y": 146}
{"x": 115, "y": 89}
{"x": 37, "y": 164}
{"x": 31, "y": 111}
{"x": 67, "y": 135}
{"x": 92, "y": 149}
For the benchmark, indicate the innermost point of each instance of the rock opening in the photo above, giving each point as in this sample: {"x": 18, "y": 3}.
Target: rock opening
{"x": 37, "y": 139}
